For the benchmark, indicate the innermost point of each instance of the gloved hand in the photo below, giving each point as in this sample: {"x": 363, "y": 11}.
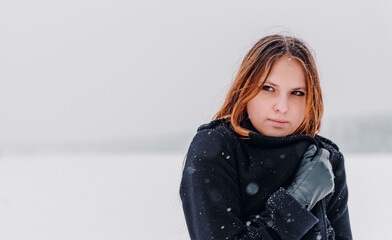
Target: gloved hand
{"x": 314, "y": 178}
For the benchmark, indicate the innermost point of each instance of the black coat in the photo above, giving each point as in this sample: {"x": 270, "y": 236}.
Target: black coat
{"x": 235, "y": 189}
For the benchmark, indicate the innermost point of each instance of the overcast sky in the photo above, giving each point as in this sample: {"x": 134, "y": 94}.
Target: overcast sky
{"x": 82, "y": 71}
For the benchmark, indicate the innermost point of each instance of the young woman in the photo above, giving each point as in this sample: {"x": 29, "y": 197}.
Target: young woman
{"x": 259, "y": 170}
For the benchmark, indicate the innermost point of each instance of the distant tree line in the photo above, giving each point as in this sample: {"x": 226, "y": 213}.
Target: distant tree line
{"x": 361, "y": 133}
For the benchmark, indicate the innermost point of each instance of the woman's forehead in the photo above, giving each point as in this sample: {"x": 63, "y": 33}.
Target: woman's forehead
{"x": 293, "y": 78}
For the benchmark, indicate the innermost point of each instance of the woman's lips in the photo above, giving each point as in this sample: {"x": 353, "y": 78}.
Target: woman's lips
{"x": 278, "y": 122}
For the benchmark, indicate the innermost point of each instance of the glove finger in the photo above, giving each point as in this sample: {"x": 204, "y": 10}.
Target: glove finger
{"x": 328, "y": 166}
{"x": 324, "y": 153}
{"x": 325, "y": 160}
{"x": 310, "y": 151}
{"x": 311, "y": 205}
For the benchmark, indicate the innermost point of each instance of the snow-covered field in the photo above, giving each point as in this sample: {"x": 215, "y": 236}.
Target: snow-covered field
{"x": 136, "y": 196}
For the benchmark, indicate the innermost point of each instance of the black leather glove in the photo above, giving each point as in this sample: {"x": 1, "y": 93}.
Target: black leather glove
{"x": 314, "y": 178}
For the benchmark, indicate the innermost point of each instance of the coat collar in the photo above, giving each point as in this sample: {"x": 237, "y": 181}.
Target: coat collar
{"x": 258, "y": 139}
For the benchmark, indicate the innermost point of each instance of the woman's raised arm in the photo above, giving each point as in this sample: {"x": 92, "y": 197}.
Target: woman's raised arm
{"x": 211, "y": 198}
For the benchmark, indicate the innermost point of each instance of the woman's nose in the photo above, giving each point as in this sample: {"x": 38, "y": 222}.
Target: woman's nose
{"x": 281, "y": 105}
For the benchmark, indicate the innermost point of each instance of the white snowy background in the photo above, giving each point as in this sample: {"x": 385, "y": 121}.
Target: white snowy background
{"x": 99, "y": 101}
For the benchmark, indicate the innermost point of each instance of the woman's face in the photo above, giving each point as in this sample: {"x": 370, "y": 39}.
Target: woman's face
{"x": 279, "y": 108}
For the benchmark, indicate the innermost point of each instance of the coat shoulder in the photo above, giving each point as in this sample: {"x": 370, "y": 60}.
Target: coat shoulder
{"x": 217, "y": 132}
{"x": 221, "y": 125}
{"x": 327, "y": 143}
{"x": 213, "y": 124}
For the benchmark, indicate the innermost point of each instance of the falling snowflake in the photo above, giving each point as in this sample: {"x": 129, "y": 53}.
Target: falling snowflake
{"x": 252, "y": 188}
{"x": 191, "y": 169}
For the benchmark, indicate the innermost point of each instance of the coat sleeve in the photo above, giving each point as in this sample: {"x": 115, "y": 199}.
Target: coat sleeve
{"x": 337, "y": 209}
{"x": 211, "y": 200}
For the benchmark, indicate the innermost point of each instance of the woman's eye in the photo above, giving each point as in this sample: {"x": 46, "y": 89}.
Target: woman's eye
{"x": 298, "y": 93}
{"x": 268, "y": 88}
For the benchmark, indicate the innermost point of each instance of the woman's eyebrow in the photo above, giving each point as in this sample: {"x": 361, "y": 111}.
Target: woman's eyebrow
{"x": 300, "y": 88}
{"x": 273, "y": 84}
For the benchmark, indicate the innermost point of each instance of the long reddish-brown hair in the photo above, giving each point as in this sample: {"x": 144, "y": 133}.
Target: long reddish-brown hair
{"x": 259, "y": 60}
